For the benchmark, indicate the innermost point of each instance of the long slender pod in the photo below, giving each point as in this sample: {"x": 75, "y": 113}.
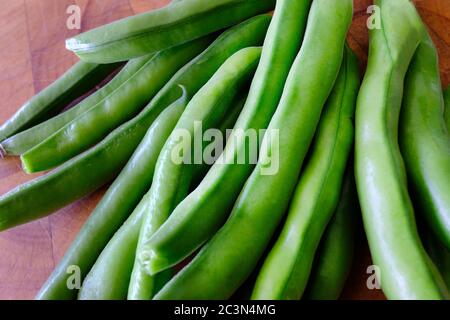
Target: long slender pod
{"x": 229, "y": 257}
{"x": 334, "y": 258}
{"x": 202, "y": 213}
{"x": 77, "y": 81}
{"x": 135, "y": 180}
{"x": 25, "y": 140}
{"x": 405, "y": 270}
{"x": 164, "y": 28}
{"x": 425, "y": 140}
{"x": 287, "y": 268}
{"x": 207, "y": 107}
{"x": 122, "y": 105}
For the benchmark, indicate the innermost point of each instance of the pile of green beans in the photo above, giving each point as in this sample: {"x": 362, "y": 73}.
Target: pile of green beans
{"x": 202, "y": 213}
{"x": 406, "y": 270}
{"x": 135, "y": 179}
{"x": 25, "y": 140}
{"x": 192, "y": 212}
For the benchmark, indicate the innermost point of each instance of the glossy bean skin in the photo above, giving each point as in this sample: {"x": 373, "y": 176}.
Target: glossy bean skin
{"x": 100, "y": 283}
{"x": 122, "y": 105}
{"x": 126, "y": 192}
{"x": 229, "y": 257}
{"x": 447, "y": 107}
{"x": 208, "y": 107}
{"x": 205, "y": 210}
{"x": 286, "y": 269}
{"x": 334, "y": 258}
{"x": 164, "y": 28}
{"x": 24, "y": 141}
{"x": 73, "y": 84}
{"x": 110, "y": 276}
{"x": 406, "y": 270}
{"x": 425, "y": 141}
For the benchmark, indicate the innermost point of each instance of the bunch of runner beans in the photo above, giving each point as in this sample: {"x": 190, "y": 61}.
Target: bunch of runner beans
{"x": 281, "y": 226}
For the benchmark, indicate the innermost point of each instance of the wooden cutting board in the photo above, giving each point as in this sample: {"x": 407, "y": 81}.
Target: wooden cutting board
{"x": 33, "y": 55}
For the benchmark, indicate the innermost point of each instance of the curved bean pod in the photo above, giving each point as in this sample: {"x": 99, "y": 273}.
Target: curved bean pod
{"x": 122, "y": 105}
{"x": 77, "y": 81}
{"x": 406, "y": 270}
{"x": 134, "y": 181}
{"x": 334, "y": 258}
{"x": 202, "y": 213}
{"x": 24, "y": 141}
{"x": 287, "y": 268}
{"x": 207, "y": 107}
{"x": 229, "y": 257}
{"x": 161, "y": 29}
{"x": 99, "y": 283}
{"x": 425, "y": 141}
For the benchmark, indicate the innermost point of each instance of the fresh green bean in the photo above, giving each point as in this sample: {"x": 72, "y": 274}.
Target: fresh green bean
{"x": 24, "y": 141}
{"x": 334, "y": 258}
{"x": 286, "y": 269}
{"x": 202, "y": 213}
{"x": 122, "y": 105}
{"x": 160, "y": 29}
{"x": 77, "y": 81}
{"x": 100, "y": 283}
{"x": 126, "y": 192}
{"x": 425, "y": 141}
{"x": 207, "y": 107}
{"x": 406, "y": 272}
{"x": 109, "y": 277}
{"x": 230, "y": 256}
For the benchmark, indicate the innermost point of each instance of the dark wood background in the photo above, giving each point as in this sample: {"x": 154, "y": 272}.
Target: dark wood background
{"x": 33, "y": 55}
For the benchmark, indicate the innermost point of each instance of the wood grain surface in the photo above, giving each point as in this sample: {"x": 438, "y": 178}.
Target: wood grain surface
{"x": 33, "y": 55}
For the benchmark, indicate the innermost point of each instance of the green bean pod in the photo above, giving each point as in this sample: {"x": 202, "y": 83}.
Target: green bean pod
{"x": 45, "y": 194}
{"x": 24, "y": 141}
{"x": 207, "y": 107}
{"x": 110, "y": 276}
{"x": 134, "y": 181}
{"x": 164, "y": 28}
{"x": 425, "y": 141}
{"x": 406, "y": 272}
{"x": 229, "y": 257}
{"x": 201, "y": 214}
{"x": 77, "y": 81}
{"x": 119, "y": 107}
{"x": 447, "y": 107}
{"x": 99, "y": 283}
{"x": 287, "y": 268}
{"x": 334, "y": 258}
